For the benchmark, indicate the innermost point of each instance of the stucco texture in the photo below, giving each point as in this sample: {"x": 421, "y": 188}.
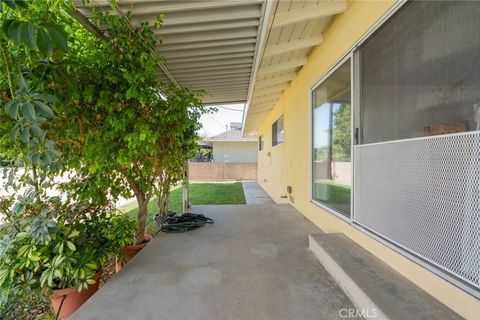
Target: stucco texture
{"x": 288, "y": 164}
{"x": 235, "y": 151}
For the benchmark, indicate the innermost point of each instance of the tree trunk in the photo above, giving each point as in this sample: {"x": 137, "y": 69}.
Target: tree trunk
{"x": 163, "y": 204}
{"x": 142, "y": 201}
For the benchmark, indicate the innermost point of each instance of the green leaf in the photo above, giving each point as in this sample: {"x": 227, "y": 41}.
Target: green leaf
{"x": 73, "y": 234}
{"x": 22, "y": 83}
{"x": 6, "y": 26}
{"x": 22, "y": 250}
{"x": 28, "y": 111}
{"x": 58, "y": 36}
{"x": 71, "y": 246}
{"x": 11, "y": 108}
{"x": 25, "y": 137}
{"x": 27, "y": 35}
{"x": 91, "y": 266}
{"x": 22, "y": 235}
{"x": 44, "y": 109}
{"x": 44, "y": 43}
{"x": 10, "y": 3}
{"x": 43, "y": 277}
{"x": 14, "y": 31}
{"x": 47, "y": 160}
{"x": 37, "y": 132}
{"x": 50, "y": 278}
{"x": 21, "y": 3}
{"x": 57, "y": 274}
{"x": 57, "y": 261}
{"x": 14, "y": 133}
{"x": 45, "y": 97}
{"x": 51, "y": 224}
{"x": 3, "y": 276}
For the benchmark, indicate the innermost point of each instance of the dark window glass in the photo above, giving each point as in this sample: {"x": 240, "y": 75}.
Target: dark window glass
{"x": 277, "y": 132}
{"x": 420, "y": 72}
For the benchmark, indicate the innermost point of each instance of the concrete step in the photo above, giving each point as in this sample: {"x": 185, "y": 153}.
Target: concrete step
{"x": 377, "y": 290}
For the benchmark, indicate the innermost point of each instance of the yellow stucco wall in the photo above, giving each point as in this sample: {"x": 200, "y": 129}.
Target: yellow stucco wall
{"x": 288, "y": 163}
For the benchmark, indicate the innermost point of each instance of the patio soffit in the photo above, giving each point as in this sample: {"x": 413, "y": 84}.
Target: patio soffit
{"x": 209, "y": 44}
{"x": 294, "y": 28}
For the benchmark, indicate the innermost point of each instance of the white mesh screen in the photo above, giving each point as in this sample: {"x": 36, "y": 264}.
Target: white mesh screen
{"x": 424, "y": 195}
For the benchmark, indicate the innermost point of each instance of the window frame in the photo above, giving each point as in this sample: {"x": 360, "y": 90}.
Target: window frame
{"x": 275, "y": 141}
{"x": 349, "y": 55}
{"x": 354, "y": 53}
{"x": 260, "y": 143}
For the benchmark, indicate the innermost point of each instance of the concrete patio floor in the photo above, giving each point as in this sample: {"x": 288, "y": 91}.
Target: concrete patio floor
{"x": 253, "y": 263}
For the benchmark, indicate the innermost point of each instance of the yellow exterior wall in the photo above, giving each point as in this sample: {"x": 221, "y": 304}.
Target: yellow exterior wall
{"x": 288, "y": 163}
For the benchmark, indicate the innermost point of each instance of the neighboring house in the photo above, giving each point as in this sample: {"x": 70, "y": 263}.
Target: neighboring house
{"x": 231, "y": 147}
{"x": 234, "y": 157}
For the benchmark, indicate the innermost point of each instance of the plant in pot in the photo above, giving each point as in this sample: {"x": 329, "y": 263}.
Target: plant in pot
{"x": 55, "y": 250}
{"x": 122, "y": 232}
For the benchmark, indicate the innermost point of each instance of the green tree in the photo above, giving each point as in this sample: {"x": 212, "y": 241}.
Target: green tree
{"x": 122, "y": 132}
{"x": 341, "y": 133}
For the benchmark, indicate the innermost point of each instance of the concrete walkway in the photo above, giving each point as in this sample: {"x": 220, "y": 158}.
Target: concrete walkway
{"x": 253, "y": 263}
{"x": 254, "y": 194}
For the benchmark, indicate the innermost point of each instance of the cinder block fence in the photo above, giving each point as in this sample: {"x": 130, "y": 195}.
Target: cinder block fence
{"x": 222, "y": 171}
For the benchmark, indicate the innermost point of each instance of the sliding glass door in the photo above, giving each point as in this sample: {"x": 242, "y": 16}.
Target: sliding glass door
{"x": 332, "y": 164}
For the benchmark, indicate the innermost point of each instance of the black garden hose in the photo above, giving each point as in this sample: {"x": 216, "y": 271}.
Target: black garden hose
{"x": 185, "y": 222}
{"x": 60, "y": 307}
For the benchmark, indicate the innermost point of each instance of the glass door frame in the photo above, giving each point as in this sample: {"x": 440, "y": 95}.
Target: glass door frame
{"x": 353, "y": 115}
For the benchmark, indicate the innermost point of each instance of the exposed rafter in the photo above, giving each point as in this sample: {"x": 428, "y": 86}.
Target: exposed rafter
{"x": 203, "y": 76}
{"x": 166, "y": 7}
{"x": 212, "y": 70}
{"x": 273, "y": 81}
{"x": 293, "y": 45}
{"x": 271, "y": 90}
{"x": 250, "y": 32}
{"x": 205, "y": 44}
{"x": 208, "y": 44}
{"x": 255, "y": 111}
{"x": 209, "y": 51}
{"x": 222, "y": 25}
{"x": 262, "y": 105}
{"x": 271, "y": 98}
{"x": 322, "y": 9}
{"x": 209, "y": 63}
{"x": 152, "y": 50}
{"x": 282, "y": 66}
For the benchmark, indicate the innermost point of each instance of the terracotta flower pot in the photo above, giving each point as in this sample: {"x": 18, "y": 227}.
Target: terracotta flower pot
{"x": 72, "y": 299}
{"x": 130, "y": 251}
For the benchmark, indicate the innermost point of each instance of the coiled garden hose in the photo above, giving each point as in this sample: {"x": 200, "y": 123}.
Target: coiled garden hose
{"x": 185, "y": 222}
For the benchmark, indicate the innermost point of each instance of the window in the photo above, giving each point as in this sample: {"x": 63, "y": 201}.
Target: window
{"x": 260, "y": 143}
{"x": 277, "y": 132}
{"x": 420, "y": 72}
{"x": 332, "y": 164}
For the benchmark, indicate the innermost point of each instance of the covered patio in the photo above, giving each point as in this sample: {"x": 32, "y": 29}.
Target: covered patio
{"x": 253, "y": 263}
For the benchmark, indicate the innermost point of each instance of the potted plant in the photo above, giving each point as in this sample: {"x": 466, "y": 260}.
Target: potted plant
{"x": 55, "y": 249}
{"x": 128, "y": 252}
{"x": 123, "y": 232}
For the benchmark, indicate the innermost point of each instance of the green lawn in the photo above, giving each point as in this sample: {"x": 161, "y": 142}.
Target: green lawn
{"x": 200, "y": 193}
{"x": 333, "y": 194}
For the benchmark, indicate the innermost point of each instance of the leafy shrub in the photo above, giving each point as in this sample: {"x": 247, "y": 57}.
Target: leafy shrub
{"x": 51, "y": 245}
